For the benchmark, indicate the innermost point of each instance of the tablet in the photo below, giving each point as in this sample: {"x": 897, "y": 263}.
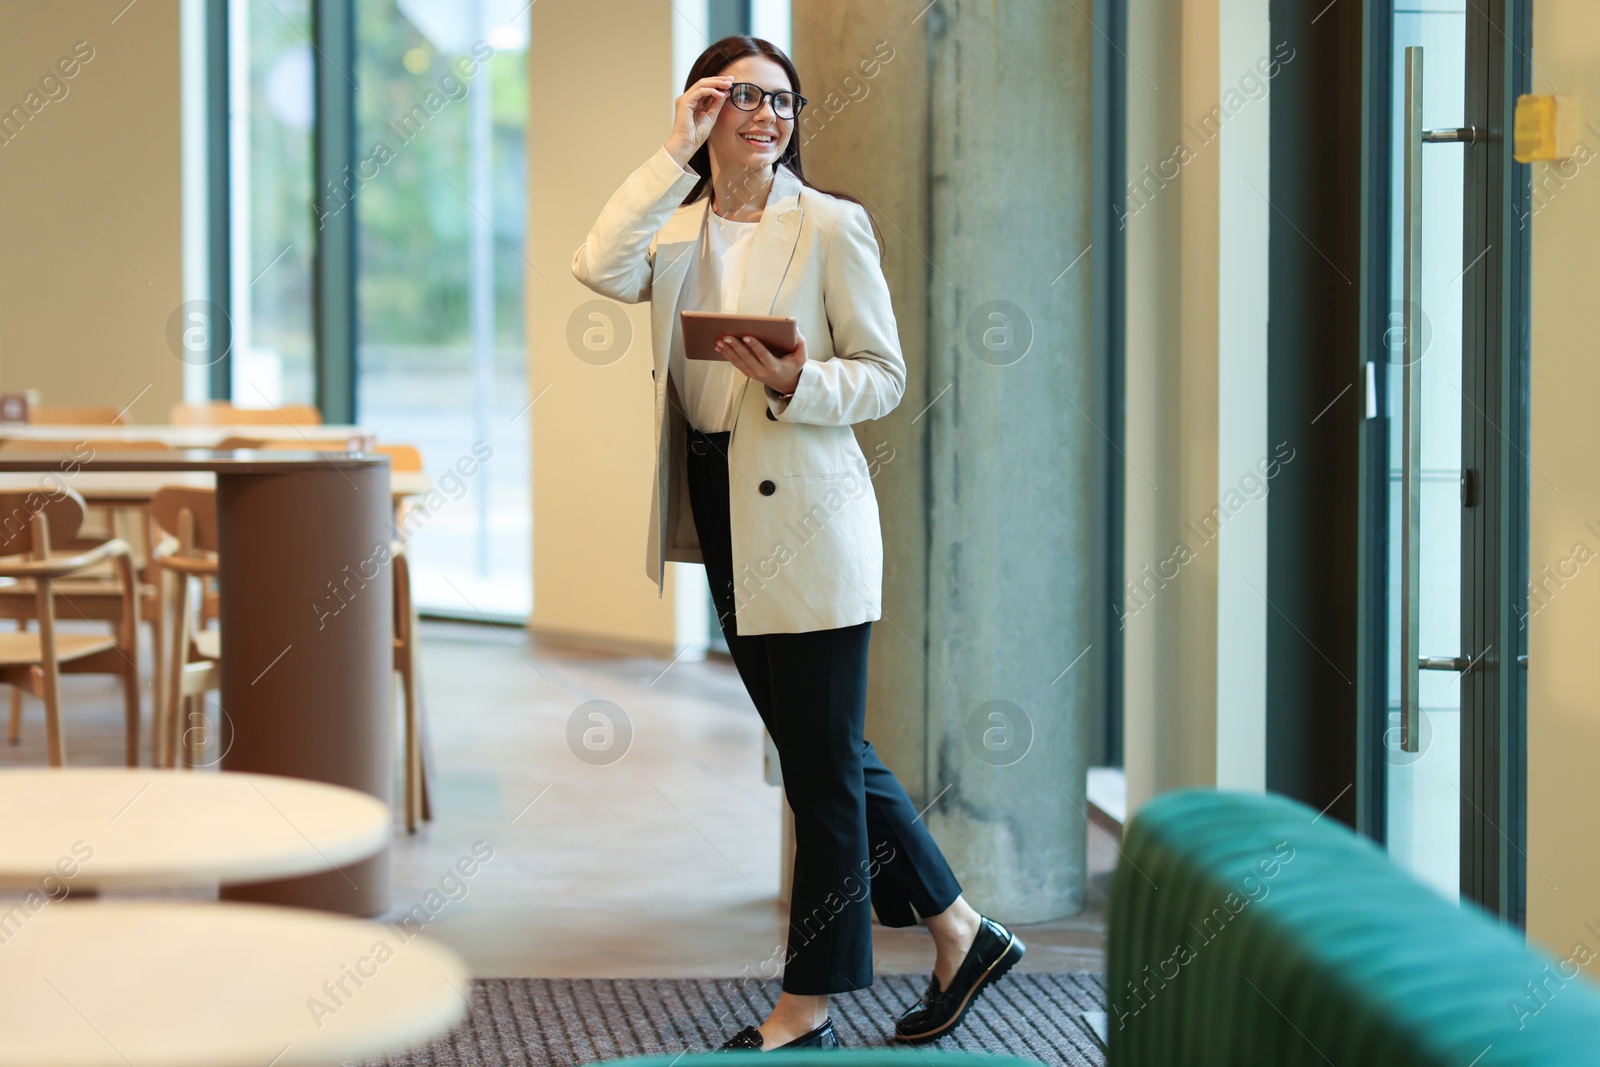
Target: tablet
{"x": 701, "y": 329}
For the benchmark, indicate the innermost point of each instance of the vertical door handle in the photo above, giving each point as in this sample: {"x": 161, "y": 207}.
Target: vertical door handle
{"x": 1411, "y": 407}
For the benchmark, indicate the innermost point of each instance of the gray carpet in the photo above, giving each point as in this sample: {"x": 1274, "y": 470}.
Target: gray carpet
{"x": 559, "y": 1022}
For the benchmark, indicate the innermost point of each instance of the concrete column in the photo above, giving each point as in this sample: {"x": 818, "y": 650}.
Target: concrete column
{"x": 971, "y": 144}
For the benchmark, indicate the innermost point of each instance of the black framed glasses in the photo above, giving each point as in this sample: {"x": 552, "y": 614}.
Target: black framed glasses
{"x": 748, "y": 96}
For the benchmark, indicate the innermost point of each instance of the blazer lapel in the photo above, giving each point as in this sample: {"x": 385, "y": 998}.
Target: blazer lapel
{"x": 674, "y": 243}
{"x": 772, "y": 250}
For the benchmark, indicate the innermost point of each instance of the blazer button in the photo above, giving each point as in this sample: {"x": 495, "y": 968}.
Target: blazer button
{"x": 652, "y": 375}
{"x": 767, "y": 488}
{"x": 770, "y": 416}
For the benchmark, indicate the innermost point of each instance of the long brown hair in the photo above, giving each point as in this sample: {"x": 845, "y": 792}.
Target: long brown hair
{"x": 714, "y": 60}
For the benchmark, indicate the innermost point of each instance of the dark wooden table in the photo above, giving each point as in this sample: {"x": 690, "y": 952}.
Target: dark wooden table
{"x": 306, "y": 602}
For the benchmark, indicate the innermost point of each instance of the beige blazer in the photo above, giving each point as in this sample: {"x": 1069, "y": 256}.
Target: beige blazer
{"x": 807, "y": 548}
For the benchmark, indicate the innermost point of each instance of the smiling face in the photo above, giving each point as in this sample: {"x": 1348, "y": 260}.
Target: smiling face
{"x": 750, "y": 140}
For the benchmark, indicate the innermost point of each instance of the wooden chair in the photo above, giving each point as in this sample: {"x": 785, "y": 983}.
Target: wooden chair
{"x": 193, "y": 655}
{"x": 94, "y": 595}
{"x": 81, "y": 450}
{"x": 419, "y": 806}
{"x": 222, "y": 413}
{"x": 42, "y": 415}
{"x": 401, "y": 457}
{"x": 190, "y": 515}
{"x": 295, "y": 444}
{"x": 33, "y": 525}
{"x": 108, "y": 526}
{"x": 90, "y": 596}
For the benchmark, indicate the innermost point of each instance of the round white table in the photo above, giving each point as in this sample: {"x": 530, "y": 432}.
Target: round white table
{"x": 139, "y": 828}
{"x": 165, "y": 984}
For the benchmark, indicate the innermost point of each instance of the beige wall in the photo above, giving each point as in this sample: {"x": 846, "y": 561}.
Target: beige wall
{"x": 1564, "y": 633}
{"x": 1194, "y": 643}
{"x": 1166, "y": 743}
{"x": 593, "y": 427}
{"x": 90, "y": 205}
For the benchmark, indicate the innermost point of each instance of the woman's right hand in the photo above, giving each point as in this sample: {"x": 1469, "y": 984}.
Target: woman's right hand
{"x": 695, "y": 112}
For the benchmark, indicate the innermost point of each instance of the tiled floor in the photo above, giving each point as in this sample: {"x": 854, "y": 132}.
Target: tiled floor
{"x": 663, "y": 863}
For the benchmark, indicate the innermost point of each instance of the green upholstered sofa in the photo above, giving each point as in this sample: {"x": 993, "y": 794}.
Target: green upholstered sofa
{"x": 1247, "y": 930}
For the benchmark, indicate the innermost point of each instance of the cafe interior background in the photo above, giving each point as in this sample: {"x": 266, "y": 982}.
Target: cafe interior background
{"x": 268, "y": 257}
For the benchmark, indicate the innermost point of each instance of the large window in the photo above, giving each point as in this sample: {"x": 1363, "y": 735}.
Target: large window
{"x": 439, "y": 179}
{"x": 442, "y": 107}
{"x": 272, "y": 237}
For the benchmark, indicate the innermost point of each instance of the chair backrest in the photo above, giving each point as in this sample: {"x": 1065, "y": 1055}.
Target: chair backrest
{"x": 291, "y": 444}
{"x": 38, "y": 444}
{"x": 168, "y": 505}
{"x": 299, "y": 444}
{"x": 63, "y": 513}
{"x": 402, "y": 458}
{"x": 402, "y": 591}
{"x": 222, "y": 413}
{"x": 66, "y": 416}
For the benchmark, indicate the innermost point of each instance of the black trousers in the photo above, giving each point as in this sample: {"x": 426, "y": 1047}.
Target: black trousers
{"x": 860, "y": 845}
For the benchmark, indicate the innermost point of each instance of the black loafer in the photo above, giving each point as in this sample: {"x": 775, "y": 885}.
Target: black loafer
{"x": 750, "y": 1038}
{"x": 994, "y": 952}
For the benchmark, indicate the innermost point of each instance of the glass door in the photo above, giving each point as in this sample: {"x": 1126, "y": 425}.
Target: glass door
{"x": 1450, "y": 413}
{"x": 1423, "y": 739}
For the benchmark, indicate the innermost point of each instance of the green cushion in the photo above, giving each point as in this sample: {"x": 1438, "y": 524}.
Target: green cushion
{"x": 1247, "y": 930}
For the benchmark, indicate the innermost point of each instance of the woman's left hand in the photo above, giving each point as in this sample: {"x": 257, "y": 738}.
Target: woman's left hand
{"x": 756, "y": 360}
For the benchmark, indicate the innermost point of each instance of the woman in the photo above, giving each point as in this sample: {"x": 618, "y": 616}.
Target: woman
{"x": 759, "y": 477}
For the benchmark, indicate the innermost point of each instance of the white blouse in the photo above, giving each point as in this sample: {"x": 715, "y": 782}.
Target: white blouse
{"x": 710, "y": 388}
